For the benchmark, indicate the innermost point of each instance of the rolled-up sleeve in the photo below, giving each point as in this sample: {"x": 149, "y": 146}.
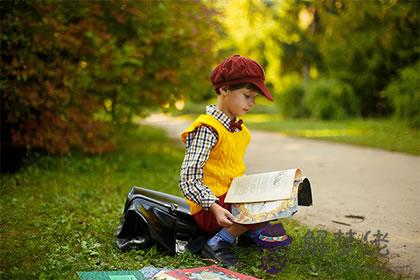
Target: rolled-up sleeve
{"x": 199, "y": 144}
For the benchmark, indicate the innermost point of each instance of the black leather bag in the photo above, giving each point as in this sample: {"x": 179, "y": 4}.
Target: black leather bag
{"x": 152, "y": 217}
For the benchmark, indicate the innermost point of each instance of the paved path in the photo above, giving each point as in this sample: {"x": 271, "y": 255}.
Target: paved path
{"x": 383, "y": 187}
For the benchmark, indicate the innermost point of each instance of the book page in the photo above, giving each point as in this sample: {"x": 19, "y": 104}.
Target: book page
{"x": 263, "y": 186}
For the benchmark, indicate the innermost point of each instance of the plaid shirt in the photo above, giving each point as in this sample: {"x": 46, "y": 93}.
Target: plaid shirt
{"x": 199, "y": 144}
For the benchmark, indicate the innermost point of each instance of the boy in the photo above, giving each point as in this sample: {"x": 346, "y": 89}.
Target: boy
{"x": 215, "y": 147}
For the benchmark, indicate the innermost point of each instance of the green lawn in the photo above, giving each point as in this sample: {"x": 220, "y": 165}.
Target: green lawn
{"x": 379, "y": 133}
{"x": 59, "y": 215}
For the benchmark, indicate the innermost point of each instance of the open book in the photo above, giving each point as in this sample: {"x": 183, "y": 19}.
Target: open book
{"x": 268, "y": 196}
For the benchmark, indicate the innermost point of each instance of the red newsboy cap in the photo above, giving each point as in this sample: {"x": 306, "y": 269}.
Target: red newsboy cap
{"x": 238, "y": 69}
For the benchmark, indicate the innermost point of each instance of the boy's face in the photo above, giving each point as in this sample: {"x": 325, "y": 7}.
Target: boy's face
{"x": 237, "y": 102}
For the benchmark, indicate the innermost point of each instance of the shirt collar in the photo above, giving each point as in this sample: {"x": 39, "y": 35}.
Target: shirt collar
{"x": 212, "y": 110}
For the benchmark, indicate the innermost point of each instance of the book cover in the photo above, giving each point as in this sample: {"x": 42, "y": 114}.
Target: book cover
{"x": 213, "y": 272}
{"x": 111, "y": 275}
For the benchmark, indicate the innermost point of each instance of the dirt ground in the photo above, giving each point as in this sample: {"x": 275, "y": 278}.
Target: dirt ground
{"x": 382, "y": 187}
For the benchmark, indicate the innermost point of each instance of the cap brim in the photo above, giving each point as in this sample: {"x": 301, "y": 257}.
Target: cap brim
{"x": 264, "y": 89}
{"x": 259, "y": 84}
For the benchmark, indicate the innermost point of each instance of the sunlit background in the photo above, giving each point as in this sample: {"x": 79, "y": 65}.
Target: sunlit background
{"x": 74, "y": 71}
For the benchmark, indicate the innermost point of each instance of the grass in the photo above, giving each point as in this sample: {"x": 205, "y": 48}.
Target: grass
{"x": 376, "y": 133}
{"x": 59, "y": 215}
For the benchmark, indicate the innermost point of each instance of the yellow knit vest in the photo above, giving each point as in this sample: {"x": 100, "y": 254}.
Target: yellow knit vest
{"x": 225, "y": 161}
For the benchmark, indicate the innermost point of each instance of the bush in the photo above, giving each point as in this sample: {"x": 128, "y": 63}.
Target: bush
{"x": 291, "y": 97}
{"x": 404, "y": 94}
{"x": 64, "y": 63}
{"x": 330, "y": 99}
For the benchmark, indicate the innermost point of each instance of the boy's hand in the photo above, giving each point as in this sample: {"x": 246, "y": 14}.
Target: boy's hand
{"x": 223, "y": 217}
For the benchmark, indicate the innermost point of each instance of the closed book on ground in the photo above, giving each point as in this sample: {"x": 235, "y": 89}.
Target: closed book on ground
{"x": 208, "y": 272}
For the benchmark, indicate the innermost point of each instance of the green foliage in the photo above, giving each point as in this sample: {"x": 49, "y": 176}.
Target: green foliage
{"x": 329, "y": 99}
{"x": 291, "y": 97}
{"x": 404, "y": 94}
{"x": 66, "y": 62}
{"x": 363, "y": 43}
{"x": 268, "y": 31}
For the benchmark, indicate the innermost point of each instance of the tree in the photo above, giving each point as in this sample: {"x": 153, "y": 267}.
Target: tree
{"x": 72, "y": 68}
{"x": 365, "y": 43}
{"x": 361, "y": 43}
{"x": 275, "y": 34}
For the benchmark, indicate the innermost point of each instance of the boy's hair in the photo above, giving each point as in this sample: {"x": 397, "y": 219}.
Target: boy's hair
{"x": 239, "y": 86}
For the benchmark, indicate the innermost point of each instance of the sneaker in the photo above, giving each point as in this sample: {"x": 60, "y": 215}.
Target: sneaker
{"x": 246, "y": 241}
{"x": 221, "y": 252}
